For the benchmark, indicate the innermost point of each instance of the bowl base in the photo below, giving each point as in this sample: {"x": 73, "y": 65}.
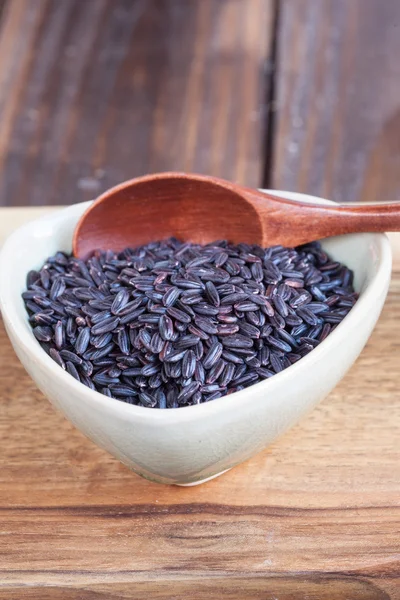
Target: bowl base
{"x": 202, "y": 480}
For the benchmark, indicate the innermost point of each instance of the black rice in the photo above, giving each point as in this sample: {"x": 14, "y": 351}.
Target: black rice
{"x": 171, "y": 324}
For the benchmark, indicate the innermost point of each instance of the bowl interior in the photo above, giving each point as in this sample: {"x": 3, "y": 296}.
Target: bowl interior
{"x": 28, "y": 248}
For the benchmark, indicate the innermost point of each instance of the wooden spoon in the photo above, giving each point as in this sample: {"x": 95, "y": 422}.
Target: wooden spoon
{"x": 202, "y": 209}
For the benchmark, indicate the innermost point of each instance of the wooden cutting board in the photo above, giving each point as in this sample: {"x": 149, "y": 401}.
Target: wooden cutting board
{"x": 316, "y": 515}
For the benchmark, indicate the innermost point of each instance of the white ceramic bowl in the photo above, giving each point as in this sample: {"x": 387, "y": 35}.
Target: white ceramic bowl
{"x": 192, "y": 444}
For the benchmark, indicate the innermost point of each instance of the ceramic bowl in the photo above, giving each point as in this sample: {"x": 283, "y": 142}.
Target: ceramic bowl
{"x": 192, "y": 444}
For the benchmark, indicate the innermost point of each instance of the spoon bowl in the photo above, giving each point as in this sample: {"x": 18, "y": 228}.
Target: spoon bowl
{"x": 197, "y": 209}
{"x": 203, "y": 209}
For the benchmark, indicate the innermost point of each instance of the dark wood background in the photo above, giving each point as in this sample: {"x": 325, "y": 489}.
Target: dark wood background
{"x": 296, "y": 94}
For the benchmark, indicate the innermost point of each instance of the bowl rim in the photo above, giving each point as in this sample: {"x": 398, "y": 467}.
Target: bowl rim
{"x": 184, "y": 413}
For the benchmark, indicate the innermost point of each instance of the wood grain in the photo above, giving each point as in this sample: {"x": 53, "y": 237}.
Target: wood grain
{"x": 316, "y": 515}
{"x": 212, "y": 587}
{"x": 95, "y": 92}
{"x": 337, "y": 126}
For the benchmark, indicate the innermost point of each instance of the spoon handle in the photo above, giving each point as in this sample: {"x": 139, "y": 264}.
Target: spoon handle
{"x": 307, "y": 222}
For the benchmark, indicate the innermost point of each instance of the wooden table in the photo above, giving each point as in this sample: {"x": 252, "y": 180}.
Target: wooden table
{"x": 294, "y": 94}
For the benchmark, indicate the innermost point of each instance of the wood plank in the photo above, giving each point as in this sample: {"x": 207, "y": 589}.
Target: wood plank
{"x": 93, "y": 93}
{"x": 211, "y": 587}
{"x": 317, "y": 514}
{"x": 337, "y": 126}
